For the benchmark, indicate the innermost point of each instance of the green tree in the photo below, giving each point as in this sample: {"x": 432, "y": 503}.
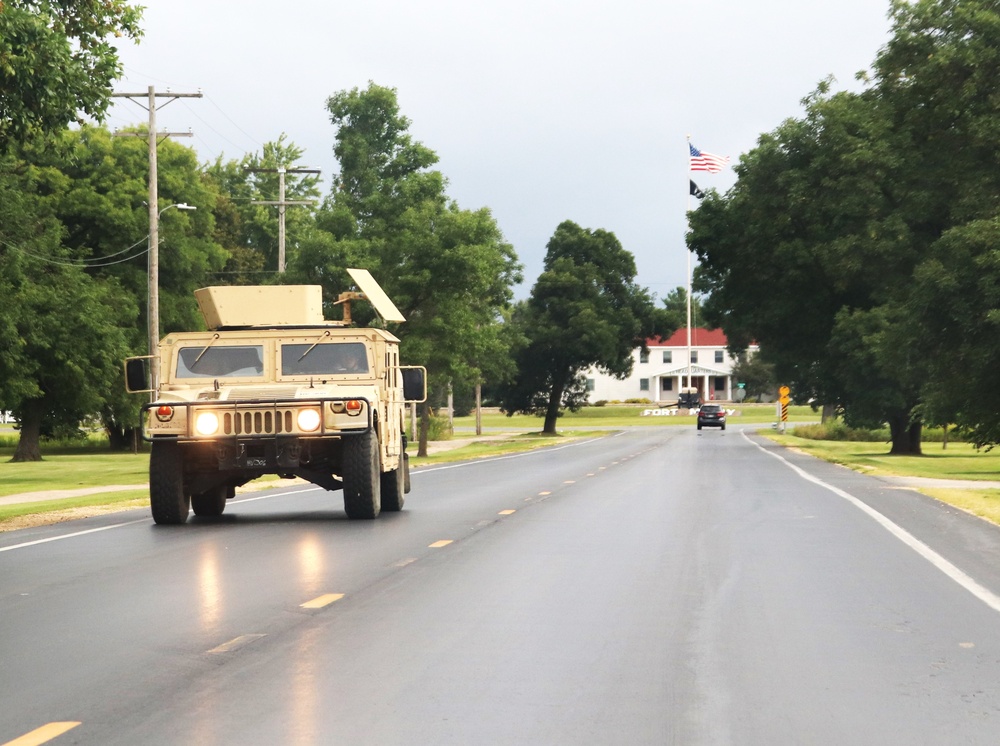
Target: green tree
{"x": 812, "y": 228}
{"x": 585, "y": 310}
{"x": 89, "y": 189}
{"x": 756, "y": 373}
{"x": 249, "y": 231}
{"x": 868, "y": 228}
{"x": 449, "y": 270}
{"x": 939, "y": 70}
{"x": 56, "y": 62}
{"x": 676, "y": 305}
{"x": 62, "y": 335}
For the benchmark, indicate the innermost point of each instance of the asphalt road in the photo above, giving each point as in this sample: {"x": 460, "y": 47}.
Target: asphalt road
{"x": 662, "y": 586}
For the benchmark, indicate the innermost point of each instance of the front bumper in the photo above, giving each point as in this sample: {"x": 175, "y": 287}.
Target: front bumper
{"x": 258, "y": 419}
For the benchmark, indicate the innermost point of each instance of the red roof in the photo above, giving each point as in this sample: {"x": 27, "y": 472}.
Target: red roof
{"x": 699, "y": 338}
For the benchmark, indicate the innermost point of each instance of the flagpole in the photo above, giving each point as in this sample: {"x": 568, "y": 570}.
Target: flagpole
{"x": 689, "y": 383}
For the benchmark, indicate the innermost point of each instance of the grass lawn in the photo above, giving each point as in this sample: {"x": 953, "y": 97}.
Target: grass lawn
{"x": 957, "y": 461}
{"x": 68, "y": 470}
{"x": 629, "y": 415}
{"x": 517, "y": 443}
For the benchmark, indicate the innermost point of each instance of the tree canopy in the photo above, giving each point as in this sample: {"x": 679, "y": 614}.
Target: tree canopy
{"x": 825, "y": 249}
{"x": 73, "y": 249}
{"x": 585, "y": 310}
{"x": 448, "y": 269}
{"x": 56, "y": 63}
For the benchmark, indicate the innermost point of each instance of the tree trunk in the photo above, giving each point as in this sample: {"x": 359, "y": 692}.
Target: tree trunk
{"x": 28, "y": 445}
{"x": 120, "y": 438}
{"x": 828, "y": 412}
{"x": 552, "y": 411}
{"x": 424, "y": 430}
{"x": 905, "y": 435}
{"x": 916, "y": 434}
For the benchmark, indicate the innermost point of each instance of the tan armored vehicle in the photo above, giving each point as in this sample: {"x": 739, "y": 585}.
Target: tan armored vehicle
{"x": 274, "y": 388}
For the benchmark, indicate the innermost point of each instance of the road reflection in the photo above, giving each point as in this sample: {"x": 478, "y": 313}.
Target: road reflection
{"x": 304, "y": 690}
{"x": 209, "y": 589}
{"x": 312, "y": 565}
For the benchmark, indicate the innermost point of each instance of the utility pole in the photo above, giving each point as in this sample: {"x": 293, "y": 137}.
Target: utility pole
{"x": 282, "y": 203}
{"x": 152, "y": 137}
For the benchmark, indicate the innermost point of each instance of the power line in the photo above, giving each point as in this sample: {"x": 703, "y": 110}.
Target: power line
{"x": 93, "y": 263}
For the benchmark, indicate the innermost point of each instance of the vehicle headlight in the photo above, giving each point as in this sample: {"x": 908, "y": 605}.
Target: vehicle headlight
{"x": 207, "y": 423}
{"x": 308, "y": 420}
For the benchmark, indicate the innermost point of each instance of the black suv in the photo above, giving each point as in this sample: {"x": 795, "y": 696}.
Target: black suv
{"x": 711, "y": 415}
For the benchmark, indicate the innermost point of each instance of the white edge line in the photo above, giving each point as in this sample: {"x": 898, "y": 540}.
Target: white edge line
{"x": 27, "y": 544}
{"x": 70, "y": 536}
{"x": 985, "y": 595}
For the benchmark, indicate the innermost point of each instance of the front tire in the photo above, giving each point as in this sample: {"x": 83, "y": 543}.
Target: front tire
{"x": 168, "y": 500}
{"x": 211, "y": 504}
{"x": 394, "y": 486}
{"x": 362, "y": 476}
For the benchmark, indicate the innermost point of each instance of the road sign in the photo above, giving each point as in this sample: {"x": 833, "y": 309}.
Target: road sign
{"x": 784, "y": 400}
{"x": 784, "y": 391}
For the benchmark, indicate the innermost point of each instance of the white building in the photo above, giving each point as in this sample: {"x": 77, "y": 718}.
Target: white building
{"x": 660, "y": 373}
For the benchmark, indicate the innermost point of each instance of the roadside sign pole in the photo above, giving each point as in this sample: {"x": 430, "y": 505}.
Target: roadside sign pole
{"x": 783, "y": 400}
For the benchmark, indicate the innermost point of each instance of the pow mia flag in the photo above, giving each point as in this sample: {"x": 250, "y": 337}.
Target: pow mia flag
{"x": 695, "y": 191}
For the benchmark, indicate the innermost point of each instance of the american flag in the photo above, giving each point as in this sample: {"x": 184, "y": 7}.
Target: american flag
{"x": 701, "y": 161}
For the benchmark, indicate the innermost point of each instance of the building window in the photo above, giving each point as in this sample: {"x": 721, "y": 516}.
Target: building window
{"x": 694, "y": 356}
{"x": 643, "y": 384}
{"x": 668, "y": 356}
{"x": 720, "y": 383}
{"x": 644, "y": 356}
{"x": 666, "y": 384}
{"x": 590, "y": 384}
{"x": 718, "y": 356}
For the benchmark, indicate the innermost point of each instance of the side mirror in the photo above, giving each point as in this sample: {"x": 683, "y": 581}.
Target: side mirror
{"x": 137, "y": 375}
{"x": 414, "y": 384}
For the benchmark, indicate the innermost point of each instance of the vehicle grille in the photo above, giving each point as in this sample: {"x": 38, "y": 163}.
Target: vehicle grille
{"x": 258, "y": 422}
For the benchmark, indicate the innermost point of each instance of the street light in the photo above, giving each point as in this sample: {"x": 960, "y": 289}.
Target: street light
{"x": 154, "y": 290}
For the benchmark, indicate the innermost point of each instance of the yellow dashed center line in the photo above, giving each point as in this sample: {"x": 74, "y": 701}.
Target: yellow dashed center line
{"x": 544, "y": 493}
{"x": 324, "y": 600}
{"x": 439, "y": 544}
{"x": 507, "y": 512}
{"x": 42, "y": 735}
{"x": 235, "y": 643}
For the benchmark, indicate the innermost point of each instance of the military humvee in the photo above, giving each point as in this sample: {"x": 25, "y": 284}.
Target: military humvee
{"x": 274, "y": 388}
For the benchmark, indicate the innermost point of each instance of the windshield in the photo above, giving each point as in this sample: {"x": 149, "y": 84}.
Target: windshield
{"x": 220, "y": 362}
{"x": 319, "y": 359}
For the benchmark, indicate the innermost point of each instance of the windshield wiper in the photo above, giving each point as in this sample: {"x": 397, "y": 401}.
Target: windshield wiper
{"x": 202, "y": 353}
{"x": 313, "y": 346}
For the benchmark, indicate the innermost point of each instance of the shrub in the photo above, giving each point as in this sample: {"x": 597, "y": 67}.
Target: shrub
{"x": 439, "y": 428}
{"x": 837, "y": 430}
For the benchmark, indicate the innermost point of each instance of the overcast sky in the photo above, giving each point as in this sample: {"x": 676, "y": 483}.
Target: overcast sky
{"x": 540, "y": 110}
